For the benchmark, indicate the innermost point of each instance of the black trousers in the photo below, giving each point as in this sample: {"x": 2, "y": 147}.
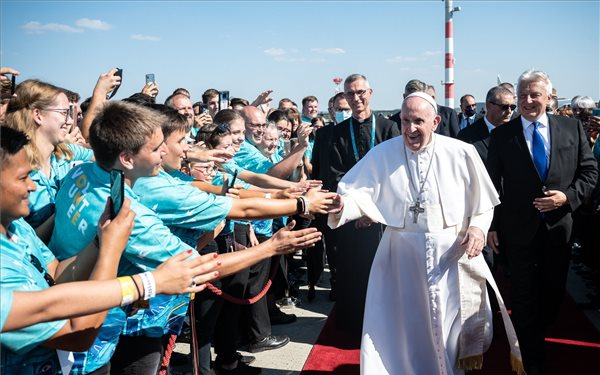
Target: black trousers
{"x": 538, "y": 277}
{"x": 314, "y": 255}
{"x": 227, "y": 332}
{"x": 137, "y": 355}
{"x": 357, "y": 251}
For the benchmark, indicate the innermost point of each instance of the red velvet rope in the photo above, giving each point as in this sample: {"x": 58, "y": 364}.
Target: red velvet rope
{"x": 164, "y": 363}
{"x": 247, "y": 301}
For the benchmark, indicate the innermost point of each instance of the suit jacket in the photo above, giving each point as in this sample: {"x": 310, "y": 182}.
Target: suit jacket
{"x": 462, "y": 115}
{"x": 448, "y": 126}
{"x": 572, "y": 170}
{"x": 342, "y": 156}
{"x": 320, "y": 155}
{"x": 478, "y": 135}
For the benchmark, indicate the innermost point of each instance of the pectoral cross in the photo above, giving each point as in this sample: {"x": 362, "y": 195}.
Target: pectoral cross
{"x": 416, "y": 210}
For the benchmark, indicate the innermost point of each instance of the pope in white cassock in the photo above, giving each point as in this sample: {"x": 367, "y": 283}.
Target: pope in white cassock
{"x": 427, "y": 310}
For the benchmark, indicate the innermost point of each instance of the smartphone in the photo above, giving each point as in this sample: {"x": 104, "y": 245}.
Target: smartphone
{"x": 235, "y": 173}
{"x": 118, "y": 73}
{"x": 223, "y": 100}
{"x": 150, "y": 78}
{"x": 13, "y": 84}
{"x": 117, "y": 191}
{"x": 595, "y": 111}
{"x": 205, "y": 109}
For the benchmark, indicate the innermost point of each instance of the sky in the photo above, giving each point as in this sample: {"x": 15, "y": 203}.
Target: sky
{"x": 296, "y": 48}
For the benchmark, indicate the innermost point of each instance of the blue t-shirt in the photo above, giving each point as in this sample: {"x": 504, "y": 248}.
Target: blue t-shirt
{"x": 248, "y": 157}
{"x": 79, "y": 204}
{"x": 41, "y": 200}
{"x": 253, "y": 160}
{"x": 186, "y": 210}
{"x": 20, "y": 351}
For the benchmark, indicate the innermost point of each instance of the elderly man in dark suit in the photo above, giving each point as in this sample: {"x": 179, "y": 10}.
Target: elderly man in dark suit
{"x": 448, "y": 125}
{"x": 544, "y": 169}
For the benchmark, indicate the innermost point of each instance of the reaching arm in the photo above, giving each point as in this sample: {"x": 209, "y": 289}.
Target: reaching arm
{"x": 106, "y": 83}
{"x": 68, "y": 300}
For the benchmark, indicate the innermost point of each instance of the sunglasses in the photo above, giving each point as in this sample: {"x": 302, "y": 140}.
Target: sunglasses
{"x": 505, "y": 107}
{"x": 38, "y": 266}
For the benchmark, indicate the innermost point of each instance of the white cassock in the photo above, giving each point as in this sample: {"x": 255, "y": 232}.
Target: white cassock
{"x": 427, "y": 304}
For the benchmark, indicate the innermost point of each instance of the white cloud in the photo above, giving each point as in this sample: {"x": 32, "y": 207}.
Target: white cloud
{"x": 400, "y": 59}
{"x": 275, "y": 51}
{"x": 92, "y": 24}
{"x": 39, "y": 28}
{"x": 432, "y": 53}
{"x": 329, "y": 51}
{"x": 148, "y": 38}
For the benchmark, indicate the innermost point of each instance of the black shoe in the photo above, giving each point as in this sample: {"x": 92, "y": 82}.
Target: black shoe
{"x": 245, "y": 359}
{"x": 241, "y": 369}
{"x": 279, "y": 317}
{"x": 332, "y": 294}
{"x": 268, "y": 343}
{"x": 311, "y": 293}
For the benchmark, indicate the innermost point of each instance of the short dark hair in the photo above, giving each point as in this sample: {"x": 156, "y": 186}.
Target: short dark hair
{"x": 209, "y": 94}
{"x": 121, "y": 126}
{"x": 464, "y": 97}
{"x": 175, "y": 122}
{"x": 11, "y": 142}
{"x": 310, "y": 98}
{"x": 239, "y": 101}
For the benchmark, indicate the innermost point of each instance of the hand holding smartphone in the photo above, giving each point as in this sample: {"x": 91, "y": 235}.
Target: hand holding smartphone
{"x": 118, "y": 73}
{"x": 117, "y": 191}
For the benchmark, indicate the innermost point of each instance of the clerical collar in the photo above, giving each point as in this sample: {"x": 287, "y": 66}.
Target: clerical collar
{"x": 365, "y": 121}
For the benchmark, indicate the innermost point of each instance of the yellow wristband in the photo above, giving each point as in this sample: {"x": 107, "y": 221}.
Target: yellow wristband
{"x": 127, "y": 290}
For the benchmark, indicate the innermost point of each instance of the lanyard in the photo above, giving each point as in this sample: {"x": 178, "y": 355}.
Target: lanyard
{"x": 354, "y": 140}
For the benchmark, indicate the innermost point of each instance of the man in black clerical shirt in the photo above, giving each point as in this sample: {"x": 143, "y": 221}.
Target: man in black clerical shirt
{"x": 357, "y": 240}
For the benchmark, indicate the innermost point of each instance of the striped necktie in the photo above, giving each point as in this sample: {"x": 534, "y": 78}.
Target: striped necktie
{"x": 539, "y": 152}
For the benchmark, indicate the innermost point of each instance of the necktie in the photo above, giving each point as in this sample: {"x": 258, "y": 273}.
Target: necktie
{"x": 539, "y": 153}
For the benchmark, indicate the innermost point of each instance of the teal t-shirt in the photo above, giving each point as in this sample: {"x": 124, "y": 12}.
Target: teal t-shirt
{"x": 20, "y": 351}
{"x": 42, "y": 200}
{"x": 248, "y": 157}
{"x": 79, "y": 204}
{"x": 186, "y": 210}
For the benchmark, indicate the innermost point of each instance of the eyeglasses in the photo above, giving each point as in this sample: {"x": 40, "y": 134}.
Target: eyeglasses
{"x": 38, "y": 266}
{"x": 505, "y": 107}
{"x": 361, "y": 93}
{"x": 67, "y": 112}
{"x": 205, "y": 170}
{"x": 257, "y": 126}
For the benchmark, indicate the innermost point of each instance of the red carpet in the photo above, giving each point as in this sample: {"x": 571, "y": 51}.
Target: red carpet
{"x": 335, "y": 352}
{"x": 572, "y": 347}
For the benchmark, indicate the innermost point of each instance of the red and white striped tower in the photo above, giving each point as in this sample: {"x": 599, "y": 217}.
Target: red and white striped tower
{"x": 449, "y": 57}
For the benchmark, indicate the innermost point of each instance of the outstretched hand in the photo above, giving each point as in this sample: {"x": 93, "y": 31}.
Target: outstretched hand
{"x": 287, "y": 241}
{"x": 180, "y": 275}
{"x": 320, "y": 202}
{"x": 473, "y": 242}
